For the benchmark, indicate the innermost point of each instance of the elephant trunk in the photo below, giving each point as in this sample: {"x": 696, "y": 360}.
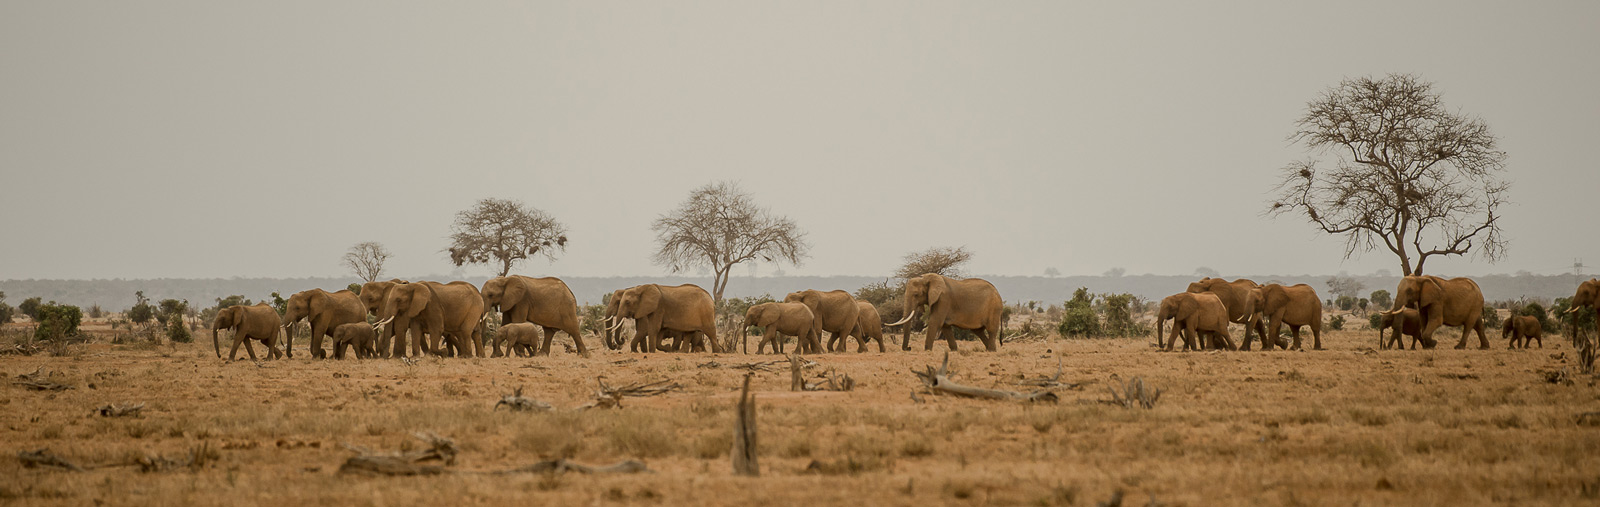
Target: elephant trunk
{"x": 214, "y": 344}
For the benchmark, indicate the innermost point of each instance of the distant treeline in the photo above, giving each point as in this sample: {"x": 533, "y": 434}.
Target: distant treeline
{"x": 116, "y": 295}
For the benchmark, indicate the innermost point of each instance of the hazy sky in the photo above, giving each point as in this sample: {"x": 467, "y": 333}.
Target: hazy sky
{"x": 220, "y": 139}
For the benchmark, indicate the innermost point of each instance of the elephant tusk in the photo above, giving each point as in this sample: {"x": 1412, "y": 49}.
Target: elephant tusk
{"x": 905, "y": 320}
{"x": 615, "y": 326}
{"x": 1572, "y": 310}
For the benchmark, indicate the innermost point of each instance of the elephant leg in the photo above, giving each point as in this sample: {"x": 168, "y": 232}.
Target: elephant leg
{"x": 949, "y": 335}
{"x": 1295, "y": 331}
{"x": 250, "y": 349}
{"x": 991, "y": 337}
{"x": 549, "y": 336}
{"x": 577, "y": 339}
{"x": 316, "y": 341}
{"x": 1226, "y": 341}
{"x": 1483, "y": 341}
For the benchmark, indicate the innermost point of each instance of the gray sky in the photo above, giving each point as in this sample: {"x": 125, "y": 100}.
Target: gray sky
{"x": 221, "y": 139}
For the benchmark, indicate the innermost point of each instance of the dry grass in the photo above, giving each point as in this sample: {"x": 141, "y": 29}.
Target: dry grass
{"x": 1340, "y": 427}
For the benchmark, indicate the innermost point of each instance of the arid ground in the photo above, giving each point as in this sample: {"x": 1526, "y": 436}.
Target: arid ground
{"x": 1347, "y": 426}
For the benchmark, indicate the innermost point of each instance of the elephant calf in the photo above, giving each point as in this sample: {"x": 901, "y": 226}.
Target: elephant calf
{"x": 1524, "y": 327}
{"x": 1410, "y": 325}
{"x": 521, "y": 338}
{"x": 360, "y": 336}
{"x": 778, "y": 319}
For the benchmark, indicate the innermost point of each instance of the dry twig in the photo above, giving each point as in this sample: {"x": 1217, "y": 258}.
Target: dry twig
{"x": 939, "y": 382}
{"x": 611, "y": 397}
{"x": 39, "y": 380}
{"x": 1051, "y": 382}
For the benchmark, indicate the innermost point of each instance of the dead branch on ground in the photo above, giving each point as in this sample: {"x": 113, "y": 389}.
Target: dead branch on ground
{"x": 561, "y": 466}
{"x": 39, "y": 380}
{"x": 368, "y": 462}
{"x": 1050, "y": 382}
{"x": 938, "y": 381}
{"x": 1135, "y": 394}
{"x": 1589, "y": 419}
{"x": 197, "y": 459}
{"x": 611, "y": 397}
{"x": 832, "y": 381}
{"x": 517, "y": 403}
{"x": 110, "y": 410}
{"x": 43, "y": 458}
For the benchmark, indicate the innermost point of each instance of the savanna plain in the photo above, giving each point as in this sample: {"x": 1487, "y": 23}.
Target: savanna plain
{"x": 1347, "y": 426}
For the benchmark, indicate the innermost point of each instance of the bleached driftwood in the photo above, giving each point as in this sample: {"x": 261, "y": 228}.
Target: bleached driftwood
{"x": 939, "y": 382}
{"x": 1135, "y": 394}
{"x": 110, "y": 410}
{"x": 611, "y": 397}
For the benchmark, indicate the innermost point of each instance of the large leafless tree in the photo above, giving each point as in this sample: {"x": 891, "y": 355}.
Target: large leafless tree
{"x": 1408, "y": 173}
{"x": 720, "y": 226}
{"x": 946, "y": 261}
{"x": 366, "y": 260}
{"x": 504, "y": 232}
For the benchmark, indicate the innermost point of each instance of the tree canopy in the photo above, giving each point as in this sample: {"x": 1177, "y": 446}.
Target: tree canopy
{"x": 720, "y": 226}
{"x": 504, "y": 232}
{"x": 1408, "y": 173}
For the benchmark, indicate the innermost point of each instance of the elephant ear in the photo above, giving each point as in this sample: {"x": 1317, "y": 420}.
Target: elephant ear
{"x": 319, "y": 302}
{"x": 515, "y": 291}
{"x": 937, "y": 285}
{"x": 812, "y": 299}
{"x": 649, "y": 300}
{"x": 421, "y": 297}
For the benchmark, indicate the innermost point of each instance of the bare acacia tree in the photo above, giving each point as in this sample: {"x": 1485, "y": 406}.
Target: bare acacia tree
{"x": 1410, "y": 174}
{"x": 504, "y": 232}
{"x": 366, "y": 260}
{"x": 719, "y": 226}
{"x": 945, "y": 261}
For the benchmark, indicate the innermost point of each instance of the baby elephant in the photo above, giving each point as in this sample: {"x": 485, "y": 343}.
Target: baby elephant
{"x": 360, "y": 336}
{"x": 521, "y": 338}
{"x": 1525, "y": 327}
{"x": 778, "y": 319}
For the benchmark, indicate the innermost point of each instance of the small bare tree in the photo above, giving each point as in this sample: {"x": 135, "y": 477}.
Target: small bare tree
{"x": 945, "y": 261}
{"x": 720, "y": 226}
{"x": 504, "y": 232}
{"x": 366, "y": 260}
{"x": 1410, "y": 174}
{"x": 1342, "y": 285}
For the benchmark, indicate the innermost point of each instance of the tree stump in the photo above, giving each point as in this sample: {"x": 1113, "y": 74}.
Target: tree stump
{"x": 744, "y": 433}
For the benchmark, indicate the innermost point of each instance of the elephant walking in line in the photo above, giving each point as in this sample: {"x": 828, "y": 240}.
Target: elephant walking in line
{"x": 778, "y": 319}
{"x": 656, "y": 308}
{"x": 869, "y": 327}
{"x": 613, "y": 334}
{"x": 1200, "y": 319}
{"x": 836, "y": 308}
{"x": 372, "y": 296}
{"x": 521, "y": 338}
{"x": 360, "y": 336}
{"x": 1236, "y": 297}
{"x": 1524, "y": 327}
{"x": 1409, "y": 324}
{"x": 1295, "y": 305}
{"x": 972, "y": 304}
{"x": 1587, "y": 297}
{"x": 545, "y": 302}
{"x": 447, "y": 311}
{"x": 325, "y": 311}
{"x": 259, "y": 322}
{"x": 1442, "y": 302}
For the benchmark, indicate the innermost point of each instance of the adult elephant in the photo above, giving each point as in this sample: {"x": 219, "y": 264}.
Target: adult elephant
{"x": 544, "y": 302}
{"x": 1524, "y": 327}
{"x": 1587, "y": 297}
{"x": 836, "y": 308}
{"x": 1295, "y": 305}
{"x": 259, "y": 322}
{"x": 372, "y": 296}
{"x": 1236, "y": 297}
{"x": 613, "y": 334}
{"x": 1408, "y": 321}
{"x": 778, "y": 319}
{"x": 869, "y": 327}
{"x": 684, "y": 308}
{"x": 972, "y": 304}
{"x": 325, "y": 311}
{"x": 1200, "y": 318}
{"x": 1442, "y": 302}
{"x": 451, "y": 311}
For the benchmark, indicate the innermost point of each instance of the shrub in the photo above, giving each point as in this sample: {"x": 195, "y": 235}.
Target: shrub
{"x": 354, "y": 287}
{"x": 1537, "y": 311}
{"x": 30, "y": 307}
{"x": 1380, "y": 298}
{"x": 1345, "y": 303}
{"x": 95, "y": 312}
{"x": 177, "y": 332}
{"x": 1491, "y": 318}
{"x": 171, "y": 309}
{"x": 1079, "y": 322}
{"x": 141, "y": 312}
{"x": 593, "y": 318}
{"x": 1119, "y": 321}
{"x": 886, "y": 298}
{"x": 5, "y": 310}
{"x": 1374, "y": 320}
{"x": 1336, "y": 323}
{"x": 57, "y": 321}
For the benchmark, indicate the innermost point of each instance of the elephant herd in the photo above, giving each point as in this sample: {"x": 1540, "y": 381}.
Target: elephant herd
{"x": 449, "y": 319}
{"x": 1422, "y": 304}
{"x": 416, "y": 318}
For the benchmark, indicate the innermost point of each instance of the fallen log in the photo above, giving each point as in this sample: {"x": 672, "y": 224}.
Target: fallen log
{"x": 938, "y": 381}
{"x": 43, "y": 458}
{"x": 517, "y": 403}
